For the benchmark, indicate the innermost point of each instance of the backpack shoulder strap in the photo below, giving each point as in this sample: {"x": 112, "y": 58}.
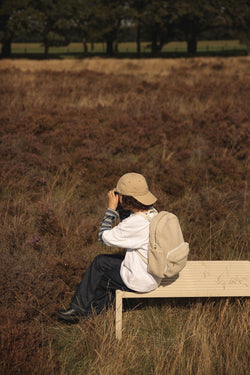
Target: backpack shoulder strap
{"x": 149, "y": 215}
{"x": 144, "y": 259}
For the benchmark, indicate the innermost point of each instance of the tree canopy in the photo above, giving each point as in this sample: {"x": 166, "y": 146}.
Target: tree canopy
{"x": 58, "y": 22}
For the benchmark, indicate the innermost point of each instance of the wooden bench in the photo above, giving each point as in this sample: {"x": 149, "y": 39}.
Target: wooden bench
{"x": 197, "y": 279}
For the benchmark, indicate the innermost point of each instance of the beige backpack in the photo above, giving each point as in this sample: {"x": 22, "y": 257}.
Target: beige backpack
{"x": 167, "y": 251}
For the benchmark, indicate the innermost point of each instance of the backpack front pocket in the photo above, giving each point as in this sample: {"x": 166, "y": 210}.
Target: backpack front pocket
{"x": 176, "y": 259}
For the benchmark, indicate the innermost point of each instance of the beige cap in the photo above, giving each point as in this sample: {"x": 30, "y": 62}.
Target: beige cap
{"x": 135, "y": 185}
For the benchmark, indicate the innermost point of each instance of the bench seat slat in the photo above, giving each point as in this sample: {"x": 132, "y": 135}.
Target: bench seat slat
{"x": 197, "y": 279}
{"x": 204, "y": 279}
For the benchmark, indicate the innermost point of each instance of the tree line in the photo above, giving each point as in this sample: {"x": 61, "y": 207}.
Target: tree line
{"x": 59, "y": 22}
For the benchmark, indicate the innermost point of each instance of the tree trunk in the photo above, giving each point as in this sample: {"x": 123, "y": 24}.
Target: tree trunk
{"x": 138, "y": 39}
{"x": 46, "y": 48}
{"x": 85, "y": 47}
{"x": 192, "y": 44}
{"x": 191, "y": 38}
{"x": 154, "y": 45}
{"x": 109, "y": 49}
{"x": 6, "y": 47}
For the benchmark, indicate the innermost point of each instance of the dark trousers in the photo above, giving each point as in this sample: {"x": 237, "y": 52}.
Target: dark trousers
{"x": 99, "y": 283}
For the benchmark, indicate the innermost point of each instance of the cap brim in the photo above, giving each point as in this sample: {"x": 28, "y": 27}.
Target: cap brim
{"x": 146, "y": 199}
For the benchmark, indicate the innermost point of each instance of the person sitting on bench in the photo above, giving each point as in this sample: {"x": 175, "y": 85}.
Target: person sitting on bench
{"x": 109, "y": 272}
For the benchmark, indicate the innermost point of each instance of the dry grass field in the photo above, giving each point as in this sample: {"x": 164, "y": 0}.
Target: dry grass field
{"x": 68, "y": 130}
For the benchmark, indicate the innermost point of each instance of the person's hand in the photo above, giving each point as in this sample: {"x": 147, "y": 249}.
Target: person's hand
{"x": 113, "y": 199}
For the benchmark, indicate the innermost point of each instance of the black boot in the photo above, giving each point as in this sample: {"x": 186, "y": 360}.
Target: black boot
{"x": 69, "y": 315}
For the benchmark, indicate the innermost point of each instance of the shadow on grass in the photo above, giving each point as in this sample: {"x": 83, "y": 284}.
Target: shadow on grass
{"x": 139, "y": 304}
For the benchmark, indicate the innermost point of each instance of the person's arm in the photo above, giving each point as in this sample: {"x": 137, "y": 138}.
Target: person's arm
{"x": 111, "y": 214}
{"x": 130, "y": 233}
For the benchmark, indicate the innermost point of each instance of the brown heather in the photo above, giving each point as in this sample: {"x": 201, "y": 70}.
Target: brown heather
{"x": 69, "y": 129}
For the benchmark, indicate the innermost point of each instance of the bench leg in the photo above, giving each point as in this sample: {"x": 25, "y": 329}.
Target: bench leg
{"x": 118, "y": 314}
